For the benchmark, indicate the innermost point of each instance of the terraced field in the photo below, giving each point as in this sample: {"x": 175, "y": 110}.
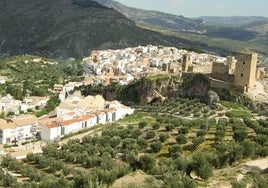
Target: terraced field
{"x": 157, "y": 146}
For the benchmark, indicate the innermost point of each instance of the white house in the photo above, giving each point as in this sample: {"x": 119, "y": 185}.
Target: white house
{"x": 8, "y": 131}
{"x": 110, "y": 115}
{"x": 18, "y": 129}
{"x": 32, "y": 102}
{"x": 51, "y": 131}
{"x": 26, "y": 126}
{"x": 120, "y": 110}
{"x": 55, "y": 128}
{"x": 101, "y": 117}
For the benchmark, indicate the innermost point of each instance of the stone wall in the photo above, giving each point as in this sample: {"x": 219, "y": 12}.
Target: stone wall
{"x": 214, "y": 83}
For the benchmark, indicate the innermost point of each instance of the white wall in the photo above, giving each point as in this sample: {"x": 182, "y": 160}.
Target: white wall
{"x": 50, "y": 133}
{"x": 73, "y": 127}
{"x": 102, "y": 118}
{"x": 92, "y": 121}
{"x": 122, "y": 112}
{"x": 8, "y": 133}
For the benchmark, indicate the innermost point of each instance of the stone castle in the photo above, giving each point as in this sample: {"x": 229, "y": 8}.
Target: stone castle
{"x": 239, "y": 74}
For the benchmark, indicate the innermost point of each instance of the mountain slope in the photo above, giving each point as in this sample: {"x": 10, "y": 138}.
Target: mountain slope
{"x": 209, "y": 33}
{"x": 220, "y": 27}
{"x": 155, "y": 18}
{"x": 235, "y": 21}
{"x": 68, "y": 28}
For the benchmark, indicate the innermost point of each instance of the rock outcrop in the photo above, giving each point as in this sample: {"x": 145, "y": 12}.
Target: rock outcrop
{"x": 141, "y": 92}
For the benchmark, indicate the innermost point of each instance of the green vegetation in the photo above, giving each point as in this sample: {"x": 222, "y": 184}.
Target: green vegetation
{"x": 239, "y": 114}
{"x": 36, "y": 78}
{"x": 166, "y": 146}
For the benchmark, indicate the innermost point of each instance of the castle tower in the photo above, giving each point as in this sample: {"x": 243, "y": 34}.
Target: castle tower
{"x": 231, "y": 62}
{"x": 245, "y": 70}
{"x": 186, "y": 62}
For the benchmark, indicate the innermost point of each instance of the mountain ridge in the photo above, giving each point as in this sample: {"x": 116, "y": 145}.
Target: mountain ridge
{"x": 235, "y": 21}
{"x": 151, "y": 17}
{"x": 72, "y": 28}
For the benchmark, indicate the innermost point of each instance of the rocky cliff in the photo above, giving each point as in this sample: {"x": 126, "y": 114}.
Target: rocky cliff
{"x": 143, "y": 91}
{"x": 160, "y": 87}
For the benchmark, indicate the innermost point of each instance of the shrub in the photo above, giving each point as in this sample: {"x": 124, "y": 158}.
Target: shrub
{"x": 163, "y": 137}
{"x": 169, "y": 127}
{"x": 147, "y": 162}
{"x": 181, "y": 139}
{"x": 156, "y": 126}
{"x": 238, "y": 114}
{"x": 175, "y": 150}
{"x": 183, "y": 130}
{"x": 201, "y": 133}
{"x": 156, "y": 147}
{"x": 240, "y": 135}
{"x": 150, "y": 134}
{"x": 142, "y": 124}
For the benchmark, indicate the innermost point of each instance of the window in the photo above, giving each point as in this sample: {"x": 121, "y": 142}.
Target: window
{"x": 244, "y": 63}
{"x": 242, "y": 75}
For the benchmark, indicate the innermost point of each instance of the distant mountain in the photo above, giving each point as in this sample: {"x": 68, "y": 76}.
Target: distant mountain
{"x": 183, "y": 24}
{"x": 260, "y": 27}
{"x": 235, "y": 21}
{"x": 72, "y": 28}
{"x": 69, "y": 28}
{"x": 155, "y": 18}
{"x": 217, "y": 33}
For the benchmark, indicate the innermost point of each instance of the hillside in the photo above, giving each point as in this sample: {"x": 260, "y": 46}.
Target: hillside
{"x": 219, "y": 27}
{"x": 155, "y": 18}
{"x": 218, "y": 34}
{"x": 35, "y": 76}
{"x": 72, "y": 28}
{"x": 69, "y": 28}
{"x": 235, "y": 21}
{"x": 178, "y": 143}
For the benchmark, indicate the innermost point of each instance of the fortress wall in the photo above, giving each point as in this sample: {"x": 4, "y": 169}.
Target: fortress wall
{"x": 205, "y": 69}
{"x": 220, "y": 70}
{"x": 214, "y": 83}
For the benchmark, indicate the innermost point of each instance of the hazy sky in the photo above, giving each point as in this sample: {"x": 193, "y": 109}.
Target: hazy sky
{"x": 195, "y": 8}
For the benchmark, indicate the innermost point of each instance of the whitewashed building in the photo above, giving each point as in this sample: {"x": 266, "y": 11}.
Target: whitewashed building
{"x": 55, "y": 128}
{"x": 21, "y": 128}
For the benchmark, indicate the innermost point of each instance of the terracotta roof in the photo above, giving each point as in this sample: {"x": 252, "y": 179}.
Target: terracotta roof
{"x": 83, "y": 118}
{"x": 98, "y": 112}
{"x": 52, "y": 125}
{"x": 71, "y": 113}
{"x": 45, "y": 117}
{"x": 69, "y": 122}
{"x": 108, "y": 110}
{"x": 86, "y": 117}
{"x": 50, "y": 120}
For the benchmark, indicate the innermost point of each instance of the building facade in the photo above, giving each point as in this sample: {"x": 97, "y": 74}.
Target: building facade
{"x": 18, "y": 129}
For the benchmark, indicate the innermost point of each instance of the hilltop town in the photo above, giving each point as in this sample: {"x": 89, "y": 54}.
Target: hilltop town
{"x": 23, "y": 134}
{"x": 76, "y": 112}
